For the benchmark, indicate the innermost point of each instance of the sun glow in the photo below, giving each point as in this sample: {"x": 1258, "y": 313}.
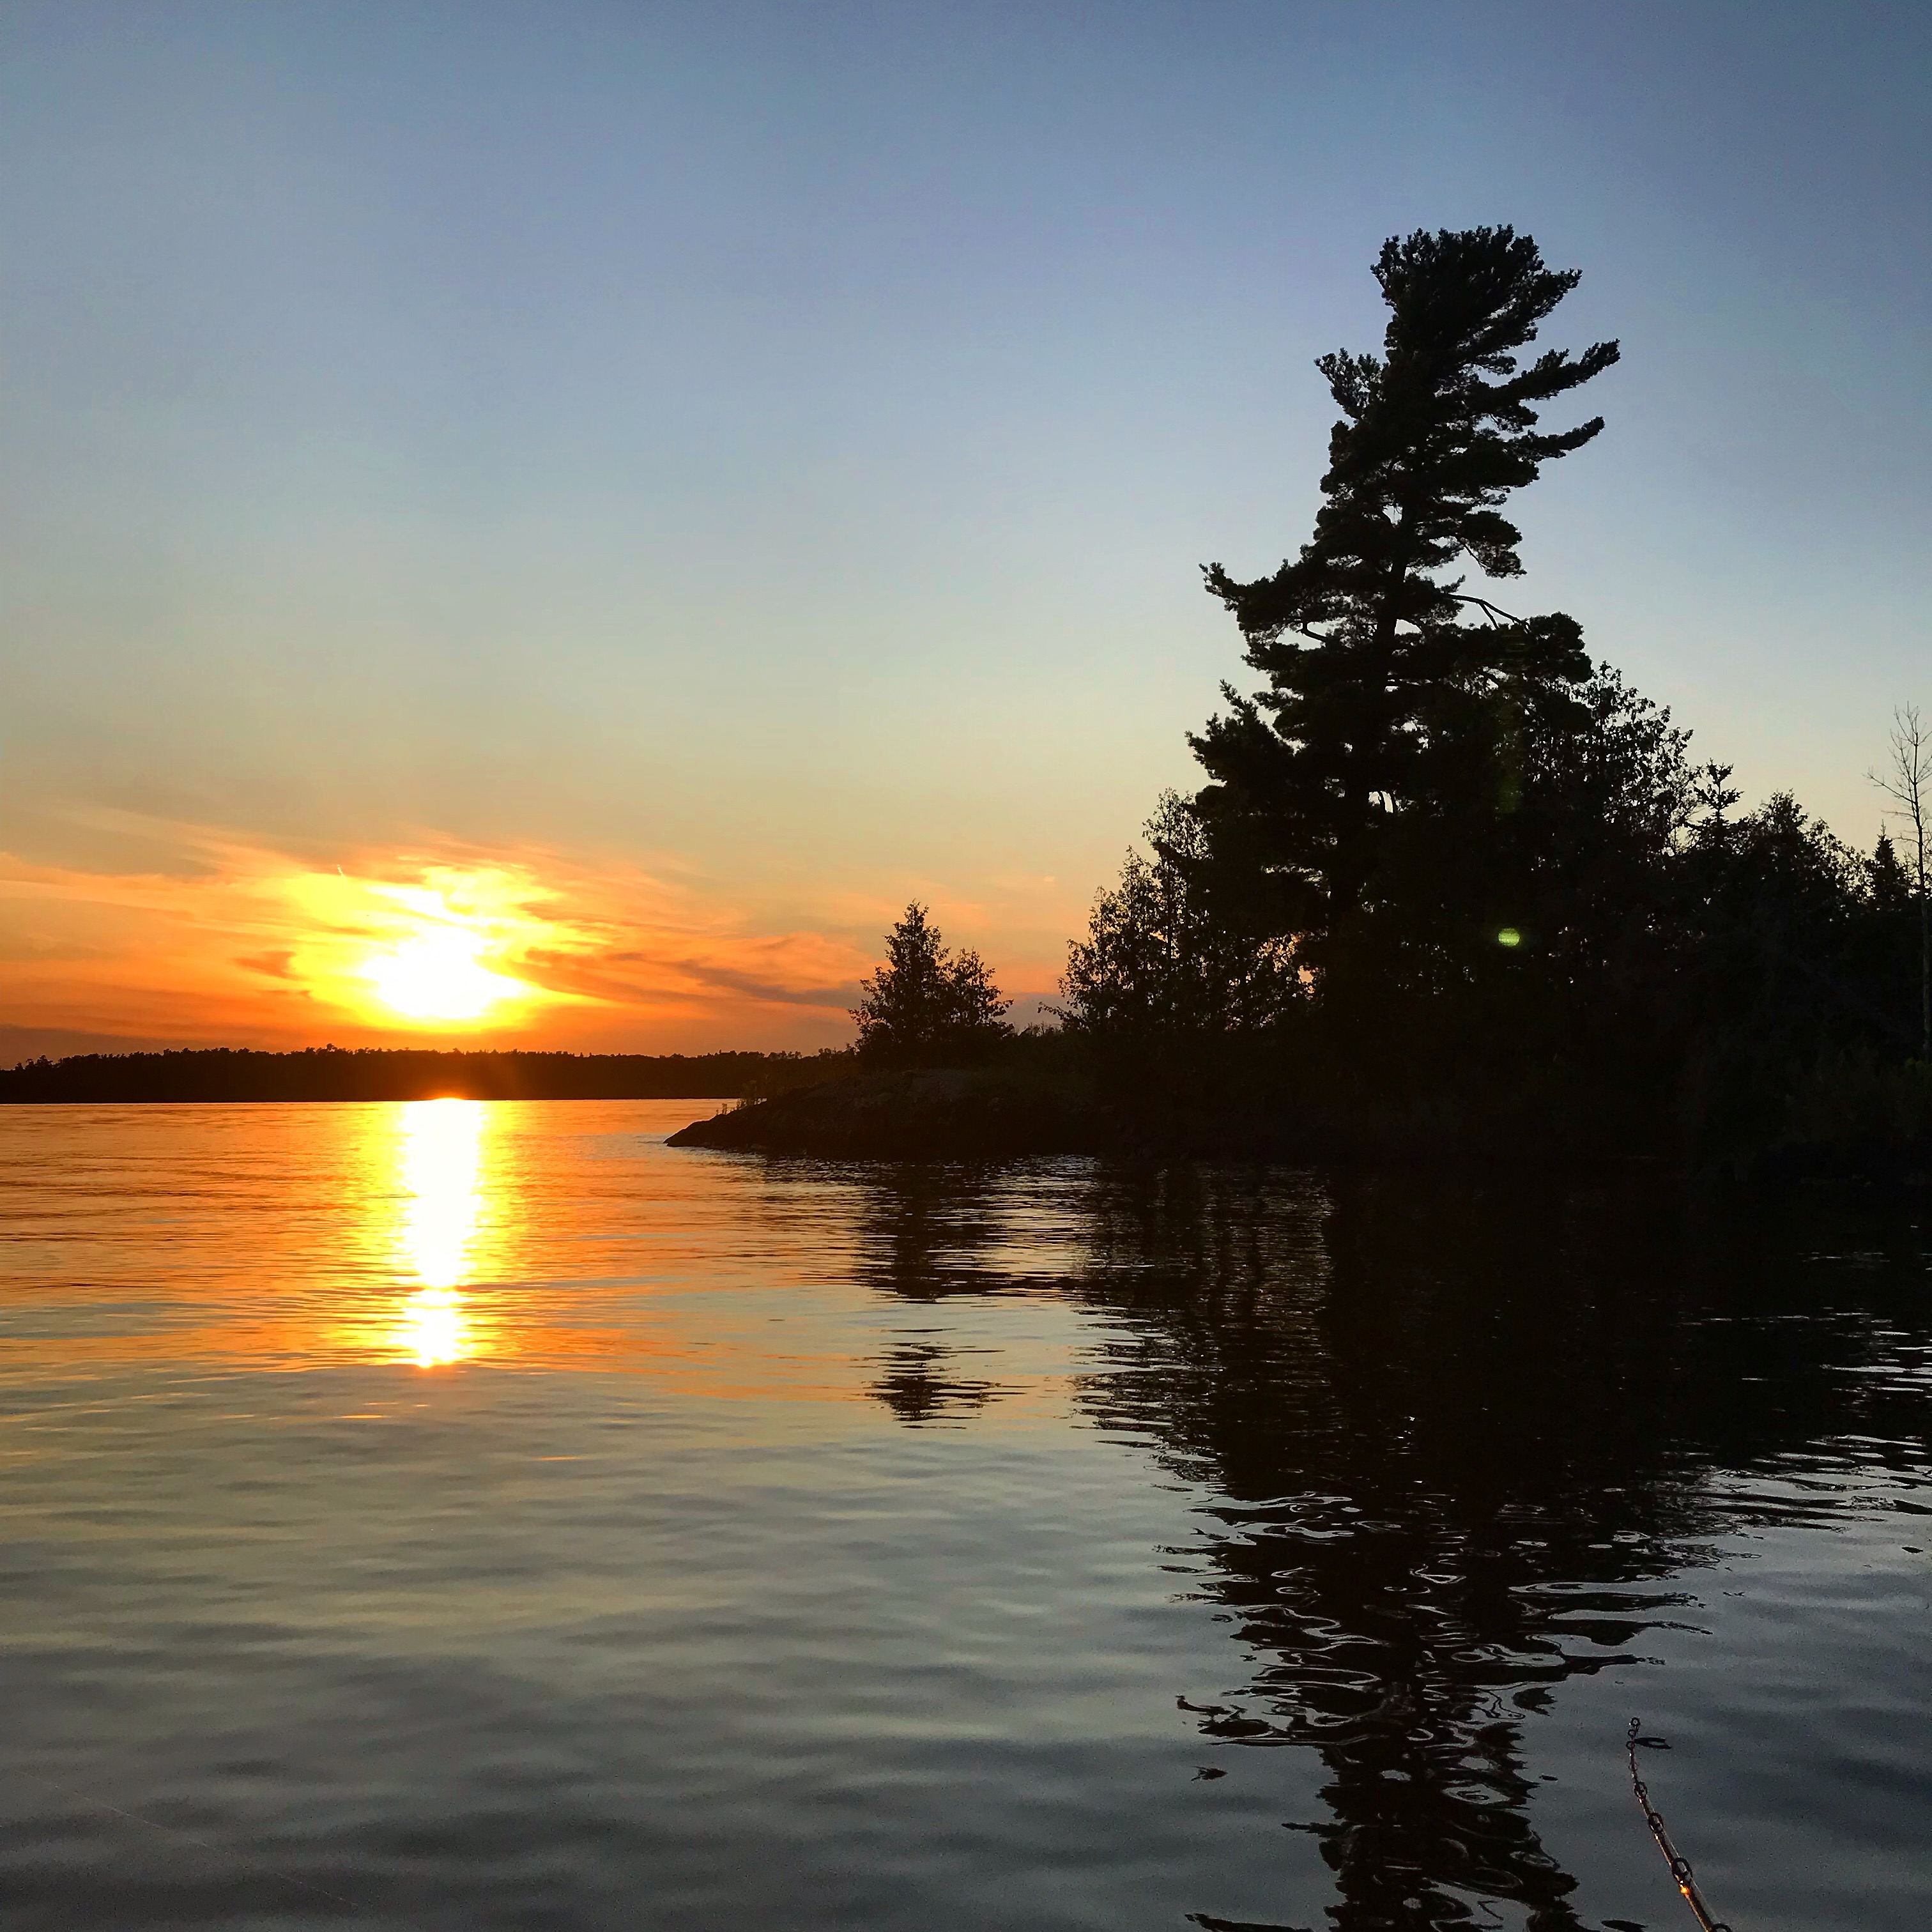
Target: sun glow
{"x": 438, "y": 977}
{"x": 436, "y": 952}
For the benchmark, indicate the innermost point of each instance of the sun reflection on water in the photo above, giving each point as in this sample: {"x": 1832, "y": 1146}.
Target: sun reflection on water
{"x": 440, "y": 1159}
{"x": 434, "y": 1331}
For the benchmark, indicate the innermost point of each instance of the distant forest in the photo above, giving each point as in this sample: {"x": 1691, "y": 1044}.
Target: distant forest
{"x": 375, "y": 1073}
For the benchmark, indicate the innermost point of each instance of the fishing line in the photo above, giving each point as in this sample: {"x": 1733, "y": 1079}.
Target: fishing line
{"x": 1680, "y": 1866}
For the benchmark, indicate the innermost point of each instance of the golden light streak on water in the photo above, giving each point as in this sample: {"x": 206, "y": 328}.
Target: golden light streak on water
{"x": 439, "y": 1157}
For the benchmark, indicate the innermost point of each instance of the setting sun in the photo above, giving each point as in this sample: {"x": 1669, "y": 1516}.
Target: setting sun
{"x": 447, "y": 948}
{"x": 437, "y": 977}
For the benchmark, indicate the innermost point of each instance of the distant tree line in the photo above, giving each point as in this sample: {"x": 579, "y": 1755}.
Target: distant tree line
{"x": 383, "y": 1073}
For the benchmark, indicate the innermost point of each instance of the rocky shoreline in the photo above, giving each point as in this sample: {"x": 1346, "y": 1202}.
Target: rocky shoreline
{"x": 1000, "y": 1113}
{"x": 940, "y": 1114}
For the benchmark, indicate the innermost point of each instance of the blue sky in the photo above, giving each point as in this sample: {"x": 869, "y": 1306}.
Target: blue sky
{"x": 770, "y": 450}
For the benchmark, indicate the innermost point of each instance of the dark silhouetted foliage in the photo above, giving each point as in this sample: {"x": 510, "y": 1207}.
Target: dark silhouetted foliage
{"x": 1448, "y": 888}
{"x": 1397, "y": 703}
{"x": 927, "y": 1006}
{"x": 1158, "y": 961}
{"x": 1906, "y": 782}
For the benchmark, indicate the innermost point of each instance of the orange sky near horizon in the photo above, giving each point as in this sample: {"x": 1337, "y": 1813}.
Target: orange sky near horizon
{"x": 221, "y": 940}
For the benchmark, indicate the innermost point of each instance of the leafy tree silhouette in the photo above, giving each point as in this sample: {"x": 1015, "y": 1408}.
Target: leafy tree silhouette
{"x": 927, "y": 1005}
{"x": 1159, "y": 958}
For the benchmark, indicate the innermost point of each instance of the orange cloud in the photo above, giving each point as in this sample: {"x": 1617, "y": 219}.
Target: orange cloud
{"x": 231, "y": 942}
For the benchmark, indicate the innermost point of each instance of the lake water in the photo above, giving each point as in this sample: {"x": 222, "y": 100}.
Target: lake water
{"x": 465, "y": 1515}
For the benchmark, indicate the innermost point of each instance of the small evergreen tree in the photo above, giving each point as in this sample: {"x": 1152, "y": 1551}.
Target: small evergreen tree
{"x": 1888, "y": 882}
{"x": 926, "y": 1005}
{"x": 978, "y": 1008}
{"x": 1891, "y": 961}
{"x": 1158, "y": 963}
{"x": 1393, "y": 711}
{"x": 1907, "y": 782}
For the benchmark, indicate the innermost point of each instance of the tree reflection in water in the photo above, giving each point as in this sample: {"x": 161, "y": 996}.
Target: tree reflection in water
{"x": 1461, "y": 1442}
{"x": 928, "y": 1233}
{"x": 916, "y": 1383}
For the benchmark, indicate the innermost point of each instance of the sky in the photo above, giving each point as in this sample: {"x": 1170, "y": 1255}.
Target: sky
{"x": 547, "y": 524}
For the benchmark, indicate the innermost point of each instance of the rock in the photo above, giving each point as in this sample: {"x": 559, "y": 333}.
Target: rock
{"x": 947, "y": 1114}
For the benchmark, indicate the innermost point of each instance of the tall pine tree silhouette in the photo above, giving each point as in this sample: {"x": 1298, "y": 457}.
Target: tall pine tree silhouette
{"x": 1396, "y": 698}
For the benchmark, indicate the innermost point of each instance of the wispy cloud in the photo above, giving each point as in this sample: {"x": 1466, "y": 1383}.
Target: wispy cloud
{"x": 220, "y": 938}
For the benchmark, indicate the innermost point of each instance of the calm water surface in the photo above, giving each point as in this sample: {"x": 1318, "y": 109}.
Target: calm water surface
{"x": 459, "y": 1515}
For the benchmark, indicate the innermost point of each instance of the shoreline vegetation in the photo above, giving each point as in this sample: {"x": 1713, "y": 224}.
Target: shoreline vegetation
{"x": 1453, "y": 892}
{"x": 388, "y": 1073}
{"x": 1042, "y": 1094}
